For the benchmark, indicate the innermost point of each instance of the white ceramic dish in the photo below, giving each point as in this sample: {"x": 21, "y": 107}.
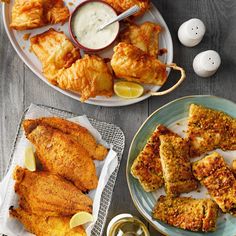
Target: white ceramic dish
{"x": 22, "y": 48}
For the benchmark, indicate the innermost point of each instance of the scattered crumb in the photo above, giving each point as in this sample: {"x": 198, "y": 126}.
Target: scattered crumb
{"x": 59, "y": 29}
{"x": 70, "y": 3}
{"x": 23, "y": 47}
{"x": 184, "y": 131}
{"x": 198, "y": 190}
{"x": 26, "y": 36}
{"x": 162, "y": 51}
{"x": 177, "y": 123}
{"x": 224, "y": 219}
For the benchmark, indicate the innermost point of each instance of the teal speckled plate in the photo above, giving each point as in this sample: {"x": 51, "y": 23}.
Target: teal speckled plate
{"x": 167, "y": 115}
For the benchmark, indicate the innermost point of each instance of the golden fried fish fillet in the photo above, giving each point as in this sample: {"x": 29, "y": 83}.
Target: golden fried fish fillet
{"x": 77, "y": 132}
{"x": 216, "y": 176}
{"x": 210, "y": 129}
{"x": 30, "y": 14}
{"x": 187, "y": 213}
{"x": 147, "y": 166}
{"x": 55, "y": 51}
{"x": 132, "y": 64}
{"x": 176, "y": 166}
{"x": 144, "y": 37}
{"x": 123, "y": 5}
{"x": 46, "y": 226}
{"x": 62, "y": 155}
{"x": 43, "y": 193}
{"x": 89, "y": 76}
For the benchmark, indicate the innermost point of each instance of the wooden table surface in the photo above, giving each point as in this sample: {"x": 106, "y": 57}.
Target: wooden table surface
{"x": 19, "y": 87}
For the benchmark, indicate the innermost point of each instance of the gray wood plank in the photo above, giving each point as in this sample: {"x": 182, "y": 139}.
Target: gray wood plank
{"x": 11, "y": 96}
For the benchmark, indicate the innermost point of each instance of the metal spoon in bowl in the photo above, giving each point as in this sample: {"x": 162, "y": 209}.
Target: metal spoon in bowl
{"x": 122, "y": 16}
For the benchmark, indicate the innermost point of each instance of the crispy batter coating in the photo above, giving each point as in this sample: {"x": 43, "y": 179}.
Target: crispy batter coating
{"x": 132, "y": 64}
{"x": 62, "y": 155}
{"x": 43, "y": 193}
{"x": 30, "y": 14}
{"x": 210, "y": 129}
{"x": 176, "y": 166}
{"x": 147, "y": 166}
{"x": 90, "y": 76}
{"x": 123, "y": 5}
{"x": 78, "y": 133}
{"x": 144, "y": 36}
{"x": 46, "y": 226}
{"x": 234, "y": 167}
{"x": 216, "y": 176}
{"x": 187, "y": 213}
{"x": 55, "y": 51}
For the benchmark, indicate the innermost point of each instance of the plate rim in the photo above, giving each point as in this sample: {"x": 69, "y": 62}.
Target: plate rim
{"x": 70, "y": 94}
{"x": 136, "y": 203}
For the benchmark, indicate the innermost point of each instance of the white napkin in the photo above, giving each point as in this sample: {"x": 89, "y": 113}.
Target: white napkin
{"x": 8, "y": 197}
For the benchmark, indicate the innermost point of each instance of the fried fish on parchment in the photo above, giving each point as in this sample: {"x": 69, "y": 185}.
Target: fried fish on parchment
{"x": 144, "y": 37}
{"x": 216, "y": 176}
{"x": 62, "y": 155}
{"x": 77, "y": 132}
{"x": 147, "y": 166}
{"x": 30, "y": 14}
{"x": 89, "y": 76}
{"x": 210, "y": 129}
{"x": 176, "y": 166}
{"x": 43, "y": 193}
{"x": 46, "y": 226}
{"x": 133, "y": 64}
{"x": 187, "y": 213}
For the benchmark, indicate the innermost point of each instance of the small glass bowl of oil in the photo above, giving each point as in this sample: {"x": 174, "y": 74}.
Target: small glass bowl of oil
{"x": 126, "y": 225}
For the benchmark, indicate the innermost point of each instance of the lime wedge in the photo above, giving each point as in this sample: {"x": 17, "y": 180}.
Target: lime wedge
{"x": 80, "y": 218}
{"x": 30, "y": 162}
{"x": 128, "y": 89}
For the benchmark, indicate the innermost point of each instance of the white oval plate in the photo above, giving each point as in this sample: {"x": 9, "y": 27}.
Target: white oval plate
{"x": 22, "y": 48}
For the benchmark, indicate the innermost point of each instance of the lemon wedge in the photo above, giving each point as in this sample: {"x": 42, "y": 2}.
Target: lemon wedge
{"x": 30, "y": 162}
{"x": 128, "y": 89}
{"x": 80, "y": 218}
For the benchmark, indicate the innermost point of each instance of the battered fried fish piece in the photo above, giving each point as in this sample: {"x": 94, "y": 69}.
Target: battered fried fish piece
{"x": 89, "y": 76}
{"x": 62, "y": 155}
{"x": 77, "y": 132}
{"x": 123, "y": 5}
{"x": 216, "y": 176}
{"x": 132, "y": 64}
{"x": 46, "y": 226}
{"x": 147, "y": 166}
{"x": 210, "y": 129}
{"x": 176, "y": 166}
{"x": 30, "y": 14}
{"x": 46, "y": 194}
{"x": 144, "y": 37}
{"x": 187, "y": 213}
{"x": 55, "y": 51}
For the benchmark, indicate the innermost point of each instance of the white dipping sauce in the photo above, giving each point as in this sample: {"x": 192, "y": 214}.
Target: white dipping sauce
{"x": 86, "y": 21}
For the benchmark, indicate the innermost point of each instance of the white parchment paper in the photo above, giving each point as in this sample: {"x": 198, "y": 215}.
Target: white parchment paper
{"x": 8, "y": 197}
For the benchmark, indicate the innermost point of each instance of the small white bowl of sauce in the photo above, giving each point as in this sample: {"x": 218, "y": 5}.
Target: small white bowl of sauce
{"x": 85, "y": 21}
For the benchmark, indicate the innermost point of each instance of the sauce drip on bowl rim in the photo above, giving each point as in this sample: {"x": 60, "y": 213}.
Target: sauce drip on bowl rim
{"x": 86, "y": 21}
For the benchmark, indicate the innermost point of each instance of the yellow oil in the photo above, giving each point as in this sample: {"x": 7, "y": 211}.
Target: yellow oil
{"x": 129, "y": 226}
